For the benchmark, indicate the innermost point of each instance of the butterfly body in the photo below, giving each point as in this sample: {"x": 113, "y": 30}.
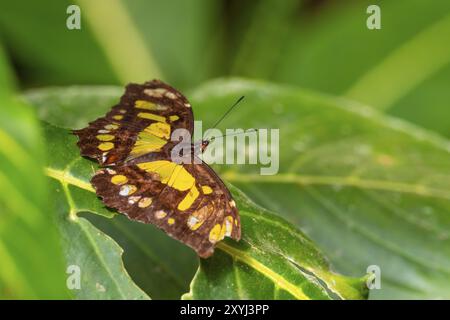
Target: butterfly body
{"x": 141, "y": 179}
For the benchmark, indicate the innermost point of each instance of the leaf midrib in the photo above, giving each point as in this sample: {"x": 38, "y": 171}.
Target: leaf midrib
{"x": 276, "y": 278}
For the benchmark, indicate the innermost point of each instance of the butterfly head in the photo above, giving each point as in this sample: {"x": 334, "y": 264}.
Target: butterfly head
{"x": 204, "y": 145}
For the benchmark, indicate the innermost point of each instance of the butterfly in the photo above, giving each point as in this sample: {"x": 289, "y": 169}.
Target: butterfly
{"x": 132, "y": 143}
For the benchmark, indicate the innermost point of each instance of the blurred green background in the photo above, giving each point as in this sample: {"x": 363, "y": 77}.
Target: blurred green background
{"x": 402, "y": 70}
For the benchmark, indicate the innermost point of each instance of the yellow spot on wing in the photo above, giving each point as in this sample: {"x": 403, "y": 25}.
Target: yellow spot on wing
{"x": 110, "y": 171}
{"x": 171, "y": 221}
{"x": 146, "y": 143}
{"x": 111, "y": 126}
{"x": 127, "y": 189}
{"x": 144, "y": 149}
{"x": 179, "y": 177}
{"x": 207, "y": 189}
{"x": 193, "y": 223}
{"x": 228, "y": 225}
{"x": 160, "y": 214}
{"x": 159, "y": 129}
{"x": 119, "y": 179}
{"x": 174, "y": 176}
{"x": 223, "y": 230}
{"x": 174, "y": 118}
{"x": 143, "y": 104}
{"x": 157, "y": 92}
{"x": 134, "y": 199}
{"x": 145, "y": 202}
{"x": 151, "y": 116}
{"x": 188, "y": 199}
{"x": 118, "y": 117}
{"x": 214, "y": 234}
{"x": 170, "y": 95}
{"x": 199, "y": 216}
{"x": 147, "y": 105}
{"x": 105, "y": 146}
{"x": 105, "y": 137}
{"x": 163, "y": 168}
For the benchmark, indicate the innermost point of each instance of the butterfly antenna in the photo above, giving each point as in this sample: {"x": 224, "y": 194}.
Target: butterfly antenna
{"x": 228, "y": 111}
{"x": 234, "y": 134}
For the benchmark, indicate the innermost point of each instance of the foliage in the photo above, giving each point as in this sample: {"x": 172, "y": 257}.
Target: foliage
{"x": 287, "y": 264}
{"x": 30, "y": 257}
{"x": 366, "y": 180}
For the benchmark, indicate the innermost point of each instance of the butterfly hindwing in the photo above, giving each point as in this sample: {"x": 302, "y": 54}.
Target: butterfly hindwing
{"x": 189, "y": 202}
{"x": 140, "y": 124}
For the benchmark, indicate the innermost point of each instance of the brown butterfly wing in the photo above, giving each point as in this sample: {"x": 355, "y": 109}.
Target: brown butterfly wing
{"x": 143, "y": 195}
{"x": 117, "y": 137}
{"x": 188, "y": 201}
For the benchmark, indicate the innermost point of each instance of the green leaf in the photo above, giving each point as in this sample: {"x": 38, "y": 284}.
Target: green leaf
{"x": 146, "y": 258}
{"x": 60, "y": 105}
{"x": 403, "y": 68}
{"x": 295, "y": 270}
{"x": 371, "y": 190}
{"x": 160, "y": 265}
{"x": 97, "y": 256}
{"x": 287, "y": 267}
{"x": 273, "y": 260}
{"x": 31, "y": 264}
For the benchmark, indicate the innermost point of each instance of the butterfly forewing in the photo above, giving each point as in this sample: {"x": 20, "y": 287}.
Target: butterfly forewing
{"x": 140, "y": 124}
